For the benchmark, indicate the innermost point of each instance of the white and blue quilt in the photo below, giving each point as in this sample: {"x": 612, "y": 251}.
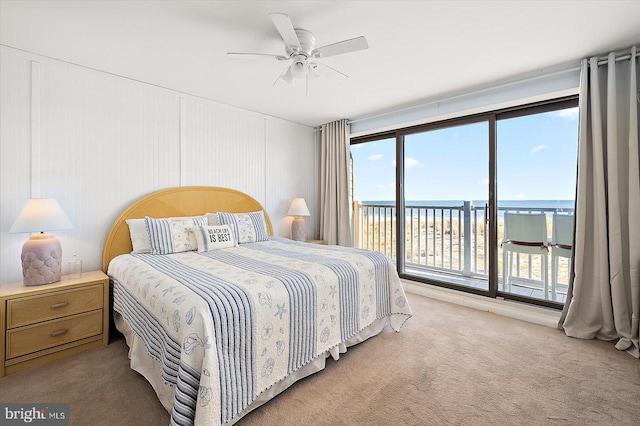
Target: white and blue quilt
{"x": 225, "y": 325}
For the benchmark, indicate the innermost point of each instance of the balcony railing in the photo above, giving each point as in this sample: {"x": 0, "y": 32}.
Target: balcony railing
{"x": 450, "y": 239}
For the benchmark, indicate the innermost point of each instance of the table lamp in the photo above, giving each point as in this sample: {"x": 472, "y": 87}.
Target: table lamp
{"x": 298, "y": 209}
{"x": 41, "y": 253}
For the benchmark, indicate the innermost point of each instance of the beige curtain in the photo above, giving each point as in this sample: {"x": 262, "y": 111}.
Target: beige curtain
{"x": 335, "y": 217}
{"x": 604, "y": 299}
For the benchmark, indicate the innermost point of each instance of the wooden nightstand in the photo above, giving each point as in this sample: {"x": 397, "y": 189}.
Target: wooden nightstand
{"x": 315, "y": 241}
{"x": 42, "y": 323}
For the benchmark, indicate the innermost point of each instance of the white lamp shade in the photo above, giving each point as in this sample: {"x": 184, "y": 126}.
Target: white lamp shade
{"x": 298, "y": 208}
{"x": 39, "y": 215}
{"x": 288, "y": 77}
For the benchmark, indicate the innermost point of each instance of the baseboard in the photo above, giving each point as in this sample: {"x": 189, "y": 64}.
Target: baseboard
{"x": 534, "y": 314}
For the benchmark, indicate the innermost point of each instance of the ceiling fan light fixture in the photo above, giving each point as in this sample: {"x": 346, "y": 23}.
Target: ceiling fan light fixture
{"x": 288, "y": 77}
{"x": 299, "y": 66}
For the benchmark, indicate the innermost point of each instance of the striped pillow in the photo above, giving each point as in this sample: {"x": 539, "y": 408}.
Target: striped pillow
{"x": 172, "y": 235}
{"x": 247, "y": 227}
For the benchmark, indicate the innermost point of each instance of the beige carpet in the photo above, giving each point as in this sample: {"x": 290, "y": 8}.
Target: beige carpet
{"x": 449, "y": 365}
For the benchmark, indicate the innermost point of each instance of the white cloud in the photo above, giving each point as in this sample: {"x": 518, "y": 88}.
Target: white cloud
{"x": 521, "y": 196}
{"x": 387, "y": 186}
{"x": 374, "y": 157}
{"x": 409, "y": 163}
{"x": 484, "y": 181}
{"x": 537, "y": 148}
{"x": 569, "y": 114}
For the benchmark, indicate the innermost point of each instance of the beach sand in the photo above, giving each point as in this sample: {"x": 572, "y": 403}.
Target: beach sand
{"x": 436, "y": 244}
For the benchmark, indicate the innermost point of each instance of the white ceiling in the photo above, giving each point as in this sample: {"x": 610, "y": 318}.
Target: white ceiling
{"x": 417, "y": 49}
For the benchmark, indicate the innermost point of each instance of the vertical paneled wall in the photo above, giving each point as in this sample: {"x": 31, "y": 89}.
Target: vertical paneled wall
{"x": 97, "y": 142}
{"x": 208, "y": 160}
{"x": 295, "y": 174}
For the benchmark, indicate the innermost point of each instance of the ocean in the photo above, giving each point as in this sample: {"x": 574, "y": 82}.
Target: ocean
{"x": 548, "y": 206}
{"x": 525, "y": 204}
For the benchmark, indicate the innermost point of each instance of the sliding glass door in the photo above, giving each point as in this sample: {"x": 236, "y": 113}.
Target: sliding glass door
{"x": 446, "y": 195}
{"x": 536, "y": 181}
{"x": 482, "y": 204}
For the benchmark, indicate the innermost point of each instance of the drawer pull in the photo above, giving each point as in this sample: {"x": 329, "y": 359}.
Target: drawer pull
{"x": 59, "y": 305}
{"x": 58, "y": 332}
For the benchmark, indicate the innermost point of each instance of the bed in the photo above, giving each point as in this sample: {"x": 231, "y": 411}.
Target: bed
{"x": 219, "y": 328}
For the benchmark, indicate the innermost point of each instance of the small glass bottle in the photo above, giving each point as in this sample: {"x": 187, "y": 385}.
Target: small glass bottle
{"x": 75, "y": 267}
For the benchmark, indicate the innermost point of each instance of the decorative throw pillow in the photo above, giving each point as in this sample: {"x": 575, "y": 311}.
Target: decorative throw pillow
{"x": 213, "y": 237}
{"x": 247, "y": 227}
{"x": 173, "y": 235}
{"x": 213, "y": 219}
{"x": 139, "y": 235}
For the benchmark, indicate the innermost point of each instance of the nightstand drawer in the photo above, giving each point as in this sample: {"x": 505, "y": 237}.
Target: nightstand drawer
{"x": 53, "y": 333}
{"x": 30, "y": 310}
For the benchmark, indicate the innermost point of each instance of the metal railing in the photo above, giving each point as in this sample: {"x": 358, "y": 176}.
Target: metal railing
{"x": 449, "y": 239}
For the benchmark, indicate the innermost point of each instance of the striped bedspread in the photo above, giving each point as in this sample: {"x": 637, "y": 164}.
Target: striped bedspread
{"x": 226, "y": 325}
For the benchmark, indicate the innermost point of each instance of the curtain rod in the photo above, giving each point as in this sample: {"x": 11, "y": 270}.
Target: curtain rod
{"x": 621, "y": 56}
{"x": 571, "y": 68}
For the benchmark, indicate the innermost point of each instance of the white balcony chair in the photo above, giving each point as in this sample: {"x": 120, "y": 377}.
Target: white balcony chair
{"x": 524, "y": 234}
{"x": 561, "y": 246}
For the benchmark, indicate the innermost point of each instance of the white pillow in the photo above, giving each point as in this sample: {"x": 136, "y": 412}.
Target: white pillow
{"x": 139, "y": 235}
{"x": 247, "y": 227}
{"x": 173, "y": 235}
{"x": 213, "y": 219}
{"x": 213, "y": 237}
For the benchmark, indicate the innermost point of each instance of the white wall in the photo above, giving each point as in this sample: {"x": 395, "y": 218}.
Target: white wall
{"x": 97, "y": 142}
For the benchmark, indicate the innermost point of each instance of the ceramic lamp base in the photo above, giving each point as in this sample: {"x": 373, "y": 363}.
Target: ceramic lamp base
{"x": 298, "y": 229}
{"x": 41, "y": 259}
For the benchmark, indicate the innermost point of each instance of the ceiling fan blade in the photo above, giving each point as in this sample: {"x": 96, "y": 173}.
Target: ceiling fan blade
{"x": 326, "y": 71}
{"x": 236, "y": 55}
{"x": 285, "y": 28}
{"x": 345, "y": 46}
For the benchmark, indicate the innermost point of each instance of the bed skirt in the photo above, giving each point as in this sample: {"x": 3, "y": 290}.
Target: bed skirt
{"x": 150, "y": 368}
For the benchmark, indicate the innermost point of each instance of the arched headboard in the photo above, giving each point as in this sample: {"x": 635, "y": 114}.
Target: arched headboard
{"x": 173, "y": 202}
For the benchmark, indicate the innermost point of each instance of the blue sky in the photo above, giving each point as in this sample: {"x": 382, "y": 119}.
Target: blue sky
{"x": 537, "y": 156}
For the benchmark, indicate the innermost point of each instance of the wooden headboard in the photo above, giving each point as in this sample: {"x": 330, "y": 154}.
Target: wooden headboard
{"x": 173, "y": 202}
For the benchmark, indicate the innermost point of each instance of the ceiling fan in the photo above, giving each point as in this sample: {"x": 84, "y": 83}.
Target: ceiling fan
{"x": 301, "y": 51}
